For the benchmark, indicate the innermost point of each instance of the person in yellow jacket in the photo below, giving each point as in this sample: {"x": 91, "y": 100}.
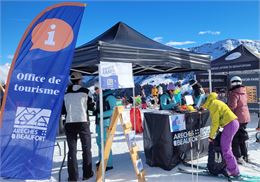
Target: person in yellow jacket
{"x": 155, "y": 94}
{"x": 154, "y": 91}
{"x": 223, "y": 117}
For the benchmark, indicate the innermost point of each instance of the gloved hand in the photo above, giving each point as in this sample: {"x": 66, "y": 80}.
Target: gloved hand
{"x": 210, "y": 140}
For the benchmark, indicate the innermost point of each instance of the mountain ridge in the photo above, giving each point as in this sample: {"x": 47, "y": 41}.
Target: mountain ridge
{"x": 219, "y": 48}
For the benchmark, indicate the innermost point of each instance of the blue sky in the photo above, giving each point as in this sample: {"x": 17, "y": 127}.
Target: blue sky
{"x": 175, "y": 23}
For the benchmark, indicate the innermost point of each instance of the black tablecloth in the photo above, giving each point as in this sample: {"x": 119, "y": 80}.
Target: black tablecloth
{"x": 166, "y": 149}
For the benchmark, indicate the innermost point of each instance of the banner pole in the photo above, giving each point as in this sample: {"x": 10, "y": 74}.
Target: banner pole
{"x": 1, "y": 90}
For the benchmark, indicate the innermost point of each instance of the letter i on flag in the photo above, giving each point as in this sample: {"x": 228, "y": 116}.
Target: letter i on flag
{"x": 35, "y": 89}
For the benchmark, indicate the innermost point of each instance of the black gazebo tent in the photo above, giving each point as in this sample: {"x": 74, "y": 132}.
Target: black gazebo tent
{"x": 239, "y": 59}
{"x": 242, "y": 62}
{"x": 122, "y": 43}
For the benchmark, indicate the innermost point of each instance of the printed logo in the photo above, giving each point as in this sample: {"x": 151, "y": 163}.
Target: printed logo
{"x": 177, "y": 123}
{"x": 233, "y": 56}
{"x": 31, "y": 123}
{"x": 52, "y": 35}
{"x": 204, "y": 132}
{"x": 109, "y": 82}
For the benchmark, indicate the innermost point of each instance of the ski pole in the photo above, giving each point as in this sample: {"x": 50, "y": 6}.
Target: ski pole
{"x": 191, "y": 157}
{"x": 198, "y": 154}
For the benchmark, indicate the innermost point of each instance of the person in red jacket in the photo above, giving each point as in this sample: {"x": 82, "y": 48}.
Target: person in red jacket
{"x": 237, "y": 101}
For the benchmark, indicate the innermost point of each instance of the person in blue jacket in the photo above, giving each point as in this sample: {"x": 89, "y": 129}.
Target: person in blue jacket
{"x": 109, "y": 102}
{"x": 167, "y": 101}
{"x": 177, "y": 93}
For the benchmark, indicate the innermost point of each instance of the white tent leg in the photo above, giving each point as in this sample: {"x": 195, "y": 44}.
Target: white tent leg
{"x": 101, "y": 126}
{"x": 210, "y": 81}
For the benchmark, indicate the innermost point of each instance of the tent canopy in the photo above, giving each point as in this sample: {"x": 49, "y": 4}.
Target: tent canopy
{"x": 240, "y": 58}
{"x": 122, "y": 43}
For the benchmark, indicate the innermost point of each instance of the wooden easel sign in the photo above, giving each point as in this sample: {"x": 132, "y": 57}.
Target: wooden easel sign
{"x": 130, "y": 138}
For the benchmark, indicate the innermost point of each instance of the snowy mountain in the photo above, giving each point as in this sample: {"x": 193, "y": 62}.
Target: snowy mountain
{"x": 220, "y": 48}
{"x": 4, "y": 72}
{"x": 215, "y": 49}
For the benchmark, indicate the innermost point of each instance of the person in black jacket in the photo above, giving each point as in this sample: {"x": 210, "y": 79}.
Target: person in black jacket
{"x": 77, "y": 103}
{"x": 198, "y": 93}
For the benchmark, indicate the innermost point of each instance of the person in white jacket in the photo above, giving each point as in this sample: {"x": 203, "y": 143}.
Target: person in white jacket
{"x": 76, "y": 102}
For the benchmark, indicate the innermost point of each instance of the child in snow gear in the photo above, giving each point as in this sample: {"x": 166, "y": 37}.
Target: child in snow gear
{"x": 222, "y": 116}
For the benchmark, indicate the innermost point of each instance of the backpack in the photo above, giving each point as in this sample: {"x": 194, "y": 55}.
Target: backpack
{"x": 138, "y": 120}
{"x": 216, "y": 164}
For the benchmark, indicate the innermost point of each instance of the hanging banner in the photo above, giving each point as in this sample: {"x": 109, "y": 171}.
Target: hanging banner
{"x": 116, "y": 75}
{"x": 36, "y": 84}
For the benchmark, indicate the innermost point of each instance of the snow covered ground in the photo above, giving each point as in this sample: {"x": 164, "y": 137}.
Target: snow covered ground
{"x": 123, "y": 169}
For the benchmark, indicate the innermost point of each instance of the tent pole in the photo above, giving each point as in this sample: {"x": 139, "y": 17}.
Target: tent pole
{"x": 101, "y": 125}
{"x": 210, "y": 81}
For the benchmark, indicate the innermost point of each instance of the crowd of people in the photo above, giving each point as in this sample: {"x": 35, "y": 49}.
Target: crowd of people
{"x": 172, "y": 96}
{"x": 232, "y": 116}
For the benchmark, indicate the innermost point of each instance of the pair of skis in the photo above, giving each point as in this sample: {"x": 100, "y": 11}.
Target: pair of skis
{"x": 252, "y": 165}
{"x": 242, "y": 177}
{"x": 204, "y": 172}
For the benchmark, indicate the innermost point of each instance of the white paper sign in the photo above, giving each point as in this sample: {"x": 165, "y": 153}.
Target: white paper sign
{"x": 116, "y": 75}
{"x": 139, "y": 165}
{"x": 130, "y": 138}
{"x": 126, "y": 116}
{"x": 189, "y": 100}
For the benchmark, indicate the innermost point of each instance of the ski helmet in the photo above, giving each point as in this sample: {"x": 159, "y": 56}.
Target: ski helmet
{"x": 170, "y": 86}
{"x": 235, "y": 80}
